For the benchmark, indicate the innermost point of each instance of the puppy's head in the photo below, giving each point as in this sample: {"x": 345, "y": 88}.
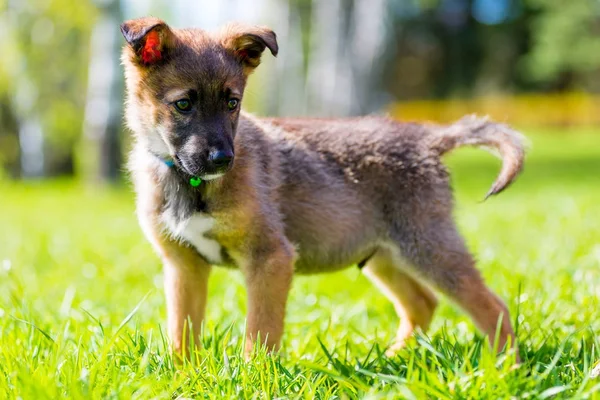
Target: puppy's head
{"x": 185, "y": 88}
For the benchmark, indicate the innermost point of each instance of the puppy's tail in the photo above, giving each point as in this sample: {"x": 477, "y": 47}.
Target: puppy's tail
{"x": 497, "y": 138}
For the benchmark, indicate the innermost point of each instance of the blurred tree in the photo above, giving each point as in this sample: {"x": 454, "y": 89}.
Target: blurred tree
{"x": 331, "y": 57}
{"x": 565, "y": 48}
{"x": 103, "y": 116}
{"x": 464, "y": 48}
{"x": 9, "y": 130}
{"x": 46, "y": 44}
{"x": 9, "y": 139}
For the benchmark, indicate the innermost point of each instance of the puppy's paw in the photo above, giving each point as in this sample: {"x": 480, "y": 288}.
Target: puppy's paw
{"x": 395, "y": 348}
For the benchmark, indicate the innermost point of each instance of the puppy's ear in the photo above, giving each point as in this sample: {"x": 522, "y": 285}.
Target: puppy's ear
{"x": 247, "y": 43}
{"x": 149, "y": 38}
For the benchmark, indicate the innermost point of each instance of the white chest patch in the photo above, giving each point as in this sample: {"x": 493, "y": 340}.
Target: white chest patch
{"x": 193, "y": 231}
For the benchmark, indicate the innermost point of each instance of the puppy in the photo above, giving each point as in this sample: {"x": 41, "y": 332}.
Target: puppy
{"x": 277, "y": 196}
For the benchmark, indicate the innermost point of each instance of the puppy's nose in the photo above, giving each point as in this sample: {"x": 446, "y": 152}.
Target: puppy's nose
{"x": 221, "y": 159}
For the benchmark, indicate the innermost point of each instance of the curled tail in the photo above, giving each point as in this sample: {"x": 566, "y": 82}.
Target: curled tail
{"x": 497, "y": 138}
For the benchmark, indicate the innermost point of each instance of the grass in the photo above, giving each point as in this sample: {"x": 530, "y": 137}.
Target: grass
{"x": 82, "y": 310}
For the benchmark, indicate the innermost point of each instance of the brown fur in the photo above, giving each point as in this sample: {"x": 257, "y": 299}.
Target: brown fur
{"x": 303, "y": 195}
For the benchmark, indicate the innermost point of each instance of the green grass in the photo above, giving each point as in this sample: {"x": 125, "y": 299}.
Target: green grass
{"x": 82, "y": 310}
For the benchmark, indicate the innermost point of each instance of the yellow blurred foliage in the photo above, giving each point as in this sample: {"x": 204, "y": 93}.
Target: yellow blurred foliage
{"x": 564, "y": 109}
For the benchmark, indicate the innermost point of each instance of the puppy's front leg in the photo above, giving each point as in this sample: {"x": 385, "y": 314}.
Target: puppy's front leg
{"x": 185, "y": 274}
{"x": 186, "y": 286}
{"x": 268, "y": 280}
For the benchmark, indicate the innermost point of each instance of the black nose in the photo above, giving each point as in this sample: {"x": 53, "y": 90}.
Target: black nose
{"x": 221, "y": 159}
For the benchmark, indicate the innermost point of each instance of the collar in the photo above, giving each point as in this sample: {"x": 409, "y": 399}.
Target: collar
{"x": 194, "y": 181}
{"x": 167, "y": 161}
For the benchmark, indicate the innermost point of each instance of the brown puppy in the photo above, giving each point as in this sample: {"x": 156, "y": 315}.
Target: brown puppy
{"x": 274, "y": 197}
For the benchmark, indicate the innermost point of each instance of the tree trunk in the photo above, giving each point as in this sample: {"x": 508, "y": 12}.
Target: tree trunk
{"x": 103, "y": 113}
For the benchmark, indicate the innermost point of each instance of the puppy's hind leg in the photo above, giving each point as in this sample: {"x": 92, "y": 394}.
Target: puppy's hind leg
{"x": 439, "y": 256}
{"x": 414, "y": 302}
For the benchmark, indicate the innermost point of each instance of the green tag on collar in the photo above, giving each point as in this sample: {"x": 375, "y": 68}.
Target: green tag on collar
{"x": 195, "y": 181}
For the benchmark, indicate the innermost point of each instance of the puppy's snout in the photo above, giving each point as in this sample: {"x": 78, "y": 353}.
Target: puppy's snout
{"x": 221, "y": 159}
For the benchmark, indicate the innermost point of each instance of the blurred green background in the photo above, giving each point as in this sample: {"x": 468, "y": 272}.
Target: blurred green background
{"x": 527, "y": 62}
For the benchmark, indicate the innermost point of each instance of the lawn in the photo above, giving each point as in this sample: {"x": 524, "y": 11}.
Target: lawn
{"x": 82, "y": 311}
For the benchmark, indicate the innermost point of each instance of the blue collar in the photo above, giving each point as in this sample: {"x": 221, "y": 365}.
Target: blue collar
{"x": 167, "y": 161}
{"x": 194, "y": 181}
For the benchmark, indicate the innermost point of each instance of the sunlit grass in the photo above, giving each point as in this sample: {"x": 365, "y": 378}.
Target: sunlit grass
{"x": 82, "y": 308}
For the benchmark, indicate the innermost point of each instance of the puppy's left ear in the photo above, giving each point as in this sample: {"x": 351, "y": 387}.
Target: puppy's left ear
{"x": 247, "y": 43}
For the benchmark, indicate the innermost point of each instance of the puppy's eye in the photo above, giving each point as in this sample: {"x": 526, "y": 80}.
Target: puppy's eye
{"x": 183, "y": 105}
{"x": 232, "y": 104}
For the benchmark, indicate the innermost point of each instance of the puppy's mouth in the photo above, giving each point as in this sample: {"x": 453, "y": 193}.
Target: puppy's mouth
{"x": 202, "y": 174}
{"x": 184, "y": 168}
